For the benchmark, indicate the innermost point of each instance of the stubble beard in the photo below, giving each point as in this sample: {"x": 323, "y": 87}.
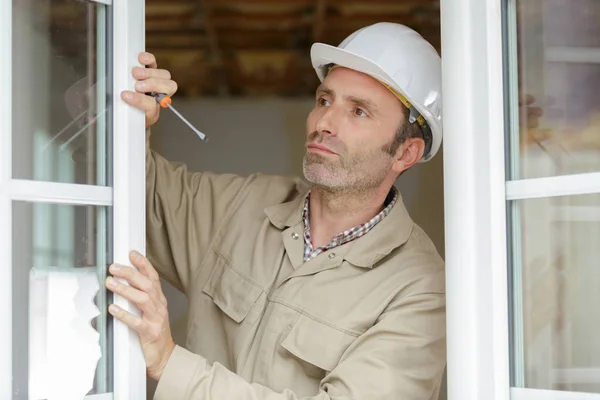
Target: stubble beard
{"x": 358, "y": 173}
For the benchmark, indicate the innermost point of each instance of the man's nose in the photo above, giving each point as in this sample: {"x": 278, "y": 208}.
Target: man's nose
{"x": 326, "y": 124}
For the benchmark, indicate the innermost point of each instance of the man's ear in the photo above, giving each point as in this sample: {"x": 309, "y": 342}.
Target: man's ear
{"x": 408, "y": 154}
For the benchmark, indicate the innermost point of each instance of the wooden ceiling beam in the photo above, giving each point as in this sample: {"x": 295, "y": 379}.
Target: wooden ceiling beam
{"x": 205, "y": 11}
{"x": 261, "y": 21}
{"x": 175, "y": 2}
{"x": 176, "y": 41}
{"x": 269, "y": 3}
{"x": 175, "y": 53}
{"x": 261, "y": 47}
{"x": 416, "y": 3}
{"x": 228, "y": 39}
{"x": 170, "y": 24}
{"x": 176, "y": 18}
{"x": 352, "y": 23}
{"x": 319, "y": 20}
{"x": 312, "y": 2}
{"x": 166, "y": 9}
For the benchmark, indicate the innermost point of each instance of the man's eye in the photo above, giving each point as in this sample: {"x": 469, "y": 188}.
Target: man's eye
{"x": 360, "y": 112}
{"x": 322, "y": 102}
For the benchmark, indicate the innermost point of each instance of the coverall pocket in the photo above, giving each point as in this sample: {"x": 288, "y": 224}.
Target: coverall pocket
{"x": 318, "y": 346}
{"x": 232, "y": 293}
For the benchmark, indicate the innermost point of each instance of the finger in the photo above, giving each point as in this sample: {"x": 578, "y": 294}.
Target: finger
{"x": 147, "y": 59}
{"x": 136, "y": 279}
{"x": 141, "y": 299}
{"x": 539, "y": 135}
{"x": 537, "y": 111}
{"x": 533, "y": 122}
{"x": 133, "y": 321}
{"x": 141, "y": 282}
{"x": 156, "y": 85}
{"x": 139, "y": 100}
{"x": 145, "y": 73}
{"x": 144, "y": 266}
{"x": 526, "y": 99}
{"x": 163, "y": 299}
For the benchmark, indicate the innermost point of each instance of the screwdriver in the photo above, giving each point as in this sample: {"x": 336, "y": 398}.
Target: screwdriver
{"x": 165, "y": 101}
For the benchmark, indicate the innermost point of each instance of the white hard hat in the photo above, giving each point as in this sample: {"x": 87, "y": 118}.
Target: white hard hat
{"x": 401, "y": 59}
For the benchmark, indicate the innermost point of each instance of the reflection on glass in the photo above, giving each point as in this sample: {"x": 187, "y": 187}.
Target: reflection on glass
{"x": 556, "y": 293}
{"x": 59, "y": 253}
{"x": 60, "y": 96}
{"x": 558, "y": 60}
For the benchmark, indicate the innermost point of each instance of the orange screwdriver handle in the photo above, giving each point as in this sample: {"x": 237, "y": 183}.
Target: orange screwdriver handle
{"x": 163, "y": 100}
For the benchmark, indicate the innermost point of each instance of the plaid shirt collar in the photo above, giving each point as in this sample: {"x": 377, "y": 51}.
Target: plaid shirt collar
{"x": 347, "y": 235}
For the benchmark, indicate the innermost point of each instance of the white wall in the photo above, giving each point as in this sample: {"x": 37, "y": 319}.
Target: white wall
{"x": 268, "y": 136}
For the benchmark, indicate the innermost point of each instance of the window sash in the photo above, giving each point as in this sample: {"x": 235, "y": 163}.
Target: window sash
{"x": 126, "y": 196}
{"x": 564, "y": 185}
{"x": 477, "y": 198}
{"x": 537, "y": 394}
{"x": 5, "y": 202}
{"x": 129, "y": 211}
{"x": 59, "y": 193}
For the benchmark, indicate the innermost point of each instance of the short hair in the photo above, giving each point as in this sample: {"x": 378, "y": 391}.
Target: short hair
{"x": 410, "y": 130}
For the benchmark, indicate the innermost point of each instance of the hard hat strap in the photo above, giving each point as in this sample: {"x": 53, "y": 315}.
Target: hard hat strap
{"x": 414, "y": 114}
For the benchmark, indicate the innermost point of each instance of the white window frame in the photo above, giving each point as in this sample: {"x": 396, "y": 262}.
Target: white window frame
{"x": 127, "y": 196}
{"x": 476, "y": 194}
{"x": 5, "y": 206}
{"x": 129, "y": 210}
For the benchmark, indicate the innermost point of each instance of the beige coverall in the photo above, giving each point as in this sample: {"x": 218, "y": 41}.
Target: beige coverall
{"x": 365, "y": 320}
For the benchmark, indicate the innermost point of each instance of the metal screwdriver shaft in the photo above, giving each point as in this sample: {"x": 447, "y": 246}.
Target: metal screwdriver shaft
{"x": 165, "y": 101}
{"x": 202, "y": 135}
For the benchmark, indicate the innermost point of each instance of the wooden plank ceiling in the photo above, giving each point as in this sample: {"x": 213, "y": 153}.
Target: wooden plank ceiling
{"x": 261, "y": 47}
{"x": 241, "y": 47}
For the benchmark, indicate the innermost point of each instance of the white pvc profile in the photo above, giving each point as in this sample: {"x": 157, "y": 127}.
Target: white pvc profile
{"x": 129, "y": 188}
{"x": 102, "y": 246}
{"x": 59, "y": 193}
{"x": 538, "y": 394}
{"x": 103, "y": 396}
{"x": 474, "y": 192}
{"x": 106, "y": 2}
{"x": 579, "y": 55}
{"x": 514, "y": 247}
{"x": 566, "y": 185}
{"x": 5, "y": 203}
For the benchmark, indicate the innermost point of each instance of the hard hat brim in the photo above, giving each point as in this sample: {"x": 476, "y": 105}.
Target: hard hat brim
{"x": 322, "y": 55}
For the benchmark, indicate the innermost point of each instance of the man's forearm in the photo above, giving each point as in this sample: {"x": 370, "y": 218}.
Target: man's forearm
{"x": 189, "y": 376}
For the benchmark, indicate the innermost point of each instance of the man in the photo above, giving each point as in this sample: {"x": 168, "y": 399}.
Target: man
{"x": 320, "y": 291}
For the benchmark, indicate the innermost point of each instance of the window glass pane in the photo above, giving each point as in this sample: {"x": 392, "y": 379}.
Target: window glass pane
{"x": 555, "y": 67}
{"x": 60, "y": 98}
{"x": 556, "y": 293}
{"x": 60, "y": 340}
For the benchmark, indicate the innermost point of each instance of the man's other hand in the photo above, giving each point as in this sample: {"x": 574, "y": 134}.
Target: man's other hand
{"x": 146, "y": 293}
{"x": 529, "y": 114}
{"x": 150, "y": 79}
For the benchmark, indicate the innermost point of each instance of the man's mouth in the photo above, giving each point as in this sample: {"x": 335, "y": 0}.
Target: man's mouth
{"x": 318, "y": 148}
